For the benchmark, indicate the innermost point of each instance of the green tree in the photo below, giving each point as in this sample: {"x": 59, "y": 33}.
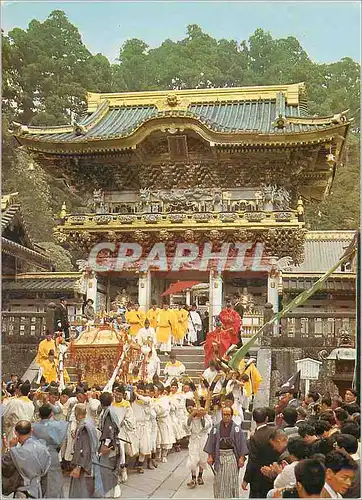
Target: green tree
{"x": 340, "y": 210}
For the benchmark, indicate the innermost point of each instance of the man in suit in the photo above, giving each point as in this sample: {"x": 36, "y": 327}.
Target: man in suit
{"x": 61, "y": 320}
{"x": 261, "y": 453}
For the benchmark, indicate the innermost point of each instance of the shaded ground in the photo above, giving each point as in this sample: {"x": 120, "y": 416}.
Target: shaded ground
{"x": 169, "y": 480}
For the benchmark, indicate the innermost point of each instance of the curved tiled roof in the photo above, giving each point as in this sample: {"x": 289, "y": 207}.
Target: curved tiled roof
{"x": 322, "y": 249}
{"x": 237, "y": 116}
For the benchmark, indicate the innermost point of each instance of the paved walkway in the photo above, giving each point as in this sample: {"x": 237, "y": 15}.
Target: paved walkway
{"x": 169, "y": 480}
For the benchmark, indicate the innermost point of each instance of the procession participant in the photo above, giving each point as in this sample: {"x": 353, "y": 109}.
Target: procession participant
{"x": 134, "y": 319}
{"x": 89, "y": 311}
{"x": 187, "y": 391}
{"x": 109, "y": 450}
{"x": 231, "y": 319}
{"x": 46, "y": 345}
{"x": 49, "y": 368}
{"x": 211, "y": 373}
{"x": 18, "y": 408}
{"x": 165, "y": 434}
{"x": 178, "y": 413}
{"x": 173, "y": 369}
{"x": 134, "y": 377}
{"x": 235, "y": 385}
{"x": 151, "y": 461}
{"x": 217, "y": 342}
{"x": 227, "y": 401}
{"x": 64, "y": 403}
{"x": 197, "y": 425}
{"x": 181, "y": 324}
{"x": 152, "y": 314}
{"x": 153, "y": 363}
{"x": 92, "y": 406}
{"x": 146, "y": 333}
{"x": 53, "y": 433}
{"x": 85, "y": 476}
{"x": 226, "y": 448}
{"x": 194, "y": 325}
{"x": 238, "y": 415}
{"x": 61, "y": 320}
{"x": 141, "y": 313}
{"x": 50, "y": 398}
{"x": 25, "y": 463}
{"x": 141, "y": 408}
{"x": 126, "y": 419}
{"x": 165, "y": 327}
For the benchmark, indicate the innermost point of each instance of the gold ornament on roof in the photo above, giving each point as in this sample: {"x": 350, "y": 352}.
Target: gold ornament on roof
{"x": 172, "y": 100}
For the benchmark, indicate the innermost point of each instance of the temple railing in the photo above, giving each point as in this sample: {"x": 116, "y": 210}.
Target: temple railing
{"x": 28, "y": 327}
{"x": 239, "y": 218}
{"x": 18, "y": 326}
{"x": 321, "y": 328}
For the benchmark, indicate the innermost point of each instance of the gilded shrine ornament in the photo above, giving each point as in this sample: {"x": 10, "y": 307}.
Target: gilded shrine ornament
{"x": 172, "y": 100}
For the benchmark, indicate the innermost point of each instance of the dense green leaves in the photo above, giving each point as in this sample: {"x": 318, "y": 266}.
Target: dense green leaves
{"x": 47, "y": 71}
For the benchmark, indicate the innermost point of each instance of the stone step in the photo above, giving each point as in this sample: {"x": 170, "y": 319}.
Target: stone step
{"x": 189, "y": 358}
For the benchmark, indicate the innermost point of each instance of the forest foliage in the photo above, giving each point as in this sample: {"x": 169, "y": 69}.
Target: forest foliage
{"x": 47, "y": 71}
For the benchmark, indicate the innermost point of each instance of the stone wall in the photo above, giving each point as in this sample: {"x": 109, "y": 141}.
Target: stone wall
{"x": 283, "y": 366}
{"x": 16, "y": 358}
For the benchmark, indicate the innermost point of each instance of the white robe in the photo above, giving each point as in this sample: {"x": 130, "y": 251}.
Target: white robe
{"x": 198, "y": 437}
{"x": 93, "y": 410}
{"x": 209, "y": 375}
{"x": 153, "y": 424}
{"x": 178, "y": 415}
{"x": 144, "y": 334}
{"x": 153, "y": 367}
{"x": 173, "y": 370}
{"x": 165, "y": 434}
{"x": 194, "y": 325}
{"x": 127, "y": 428}
{"x": 142, "y": 412}
{"x": 16, "y": 409}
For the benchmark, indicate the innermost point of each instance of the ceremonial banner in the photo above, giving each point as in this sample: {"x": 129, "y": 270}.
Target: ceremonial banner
{"x": 298, "y": 301}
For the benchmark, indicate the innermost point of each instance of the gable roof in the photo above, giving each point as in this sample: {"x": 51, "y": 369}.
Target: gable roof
{"x": 240, "y": 111}
{"x": 322, "y": 250}
{"x": 10, "y": 217}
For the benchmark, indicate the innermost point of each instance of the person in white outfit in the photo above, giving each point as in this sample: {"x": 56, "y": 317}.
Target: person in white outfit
{"x": 146, "y": 334}
{"x": 210, "y": 375}
{"x": 198, "y": 425}
{"x": 173, "y": 369}
{"x": 142, "y": 411}
{"x": 124, "y": 412}
{"x": 178, "y": 413}
{"x": 93, "y": 407}
{"x": 165, "y": 434}
{"x": 151, "y": 462}
{"x": 194, "y": 325}
{"x": 18, "y": 408}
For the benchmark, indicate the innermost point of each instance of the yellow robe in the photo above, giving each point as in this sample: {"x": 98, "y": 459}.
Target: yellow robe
{"x": 43, "y": 351}
{"x": 122, "y": 404}
{"x": 49, "y": 371}
{"x": 255, "y": 379}
{"x": 134, "y": 319}
{"x": 142, "y": 316}
{"x": 181, "y": 324}
{"x": 152, "y": 317}
{"x": 165, "y": 325}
